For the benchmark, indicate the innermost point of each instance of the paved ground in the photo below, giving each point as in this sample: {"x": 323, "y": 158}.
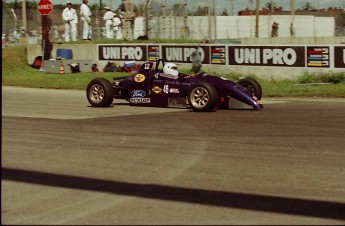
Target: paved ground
{"x": 66, "y": 163}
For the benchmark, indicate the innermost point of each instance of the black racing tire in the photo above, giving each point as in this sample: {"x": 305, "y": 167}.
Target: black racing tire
{"x": 100, "y": 92}
{"x": 252, "y": 86}
{"x": 202, "y": 96}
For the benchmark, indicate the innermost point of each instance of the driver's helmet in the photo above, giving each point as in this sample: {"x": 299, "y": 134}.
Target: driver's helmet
{"x": 170, "y": 68}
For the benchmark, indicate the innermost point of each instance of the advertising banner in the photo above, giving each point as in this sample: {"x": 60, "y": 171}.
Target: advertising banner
{"x": 339, "y": 57}
{"x": 182, "y": 53}
{"x": 218, "y": 55}
{"x": 122, "y": 52}
{"x": 246, "y": 55}
{"x": 317, "y": 56}
{"x": 280, "y": 56}
{"x": 153, "y": 52}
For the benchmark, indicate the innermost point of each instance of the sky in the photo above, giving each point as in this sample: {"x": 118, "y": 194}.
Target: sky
{"x": 222, "y": 4}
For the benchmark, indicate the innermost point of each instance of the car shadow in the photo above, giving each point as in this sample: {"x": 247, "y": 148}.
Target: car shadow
{"x": 227, "y": 199}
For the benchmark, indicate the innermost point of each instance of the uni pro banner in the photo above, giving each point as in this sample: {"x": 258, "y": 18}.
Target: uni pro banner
{"x": 280, "y": 56}
{"x": 122, "y": 52}
{"x": 339, "y": 56}
{"x": 183, "y": 53}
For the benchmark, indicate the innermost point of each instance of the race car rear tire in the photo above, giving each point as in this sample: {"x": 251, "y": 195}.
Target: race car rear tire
{"x": 100, "y": 92}
{"x": 252, "y": 86}
{"x": 202, "y": 96}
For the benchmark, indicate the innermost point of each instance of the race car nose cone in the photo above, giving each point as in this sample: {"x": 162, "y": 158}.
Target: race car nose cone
{"x": 258, "y": 107}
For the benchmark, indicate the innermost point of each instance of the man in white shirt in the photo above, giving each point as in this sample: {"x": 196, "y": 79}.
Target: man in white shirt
{"x": 69, "y": 15}
{"x": 117, "y": 26}
{"x": 108, "y": 18}
{"x": 85, "y": 14}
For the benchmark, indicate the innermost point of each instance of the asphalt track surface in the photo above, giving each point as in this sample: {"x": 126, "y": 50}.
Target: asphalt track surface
{"x": 64, "y": 162}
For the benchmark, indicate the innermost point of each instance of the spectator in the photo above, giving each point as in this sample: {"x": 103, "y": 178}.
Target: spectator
{"x": 108, "y": 17}
{"x": 127, "y": 14}
{"x": 85, "y": 13}
{"x": 4, "y": 44}
{"x": 275, "y": 27}
{"x": 69, "y": 15}
{"x": 23, "y": 32}
{"x": 292, "y": 30}
{"x": 117, "y": 27}
{"x": 16, "y": 36}
{"x": 56, "y": 34}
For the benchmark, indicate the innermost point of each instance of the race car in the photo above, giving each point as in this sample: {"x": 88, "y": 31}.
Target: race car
{"x": 166, "y": 87}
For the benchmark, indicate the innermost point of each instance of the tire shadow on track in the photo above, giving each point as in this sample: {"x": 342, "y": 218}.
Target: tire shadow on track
{"x": 292, "y": 206}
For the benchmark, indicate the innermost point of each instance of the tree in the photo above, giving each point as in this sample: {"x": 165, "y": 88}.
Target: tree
{"x": 271, "y": 5}
{"x": 201, "y": 11}
{"x": 250, "y": 6}
{"x": 340, "y": 19}
{"x": 308, "y": 6}
{"x": 141, "y": 9}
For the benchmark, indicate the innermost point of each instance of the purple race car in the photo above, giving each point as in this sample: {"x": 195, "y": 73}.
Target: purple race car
{"x": 154, "y": 87}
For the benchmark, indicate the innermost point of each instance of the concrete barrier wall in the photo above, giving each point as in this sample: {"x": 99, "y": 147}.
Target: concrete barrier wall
{"x": 271, "y": 61}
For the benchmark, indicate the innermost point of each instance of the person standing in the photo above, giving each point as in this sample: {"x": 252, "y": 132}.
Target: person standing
{"x": 117, "y": 26}
{"x": 275, "y": 27}
{"x": 56, "y": 34}
{"x": 69, "y": 15}
{"x": 127, "y": 12}
{"x": 16, "y": 36}
{"x": 85, "y": 14}
{"x": 108, "y": 18}
{"x": 292, "y": 30}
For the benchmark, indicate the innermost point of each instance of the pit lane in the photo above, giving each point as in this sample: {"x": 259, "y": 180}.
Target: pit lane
{"x": 64, "y": 162}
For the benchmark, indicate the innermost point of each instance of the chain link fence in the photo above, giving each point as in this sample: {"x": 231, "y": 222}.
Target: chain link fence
{"x": 160, "y": 19}
{"x": 184, "y": 20}
{"x": 166, "y": 19}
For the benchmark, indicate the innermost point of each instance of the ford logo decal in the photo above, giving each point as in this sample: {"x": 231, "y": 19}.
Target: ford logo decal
{"x": 138, "y": 93}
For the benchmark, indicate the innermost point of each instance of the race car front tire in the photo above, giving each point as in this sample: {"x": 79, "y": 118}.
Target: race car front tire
{"x": 252, "y": 86}
{"x": 202, "y": 96}
{"x": 100, "y": 92}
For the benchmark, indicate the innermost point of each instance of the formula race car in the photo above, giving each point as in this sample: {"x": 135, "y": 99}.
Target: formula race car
{"x": 154, "y": 87}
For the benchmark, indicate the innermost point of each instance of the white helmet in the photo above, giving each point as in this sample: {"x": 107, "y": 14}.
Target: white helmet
{"x": 170, "y": 68}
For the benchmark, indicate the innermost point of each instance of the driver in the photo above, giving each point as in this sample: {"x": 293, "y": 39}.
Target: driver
{"x": 170, "y": 71}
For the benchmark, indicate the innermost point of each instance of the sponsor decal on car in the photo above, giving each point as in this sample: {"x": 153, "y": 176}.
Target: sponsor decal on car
{"x": 166, "y": 89}
{"x": 138, "y": 93}
{"x": 140, "y": 100}
{"x": 172, "y": 82}
{"x": 139, "y": 78}
{"x": 157, "y": 89}
{"x": 174, "y": 90}
{"x": 177, "y": 102}
{"x": 240, "y": 87}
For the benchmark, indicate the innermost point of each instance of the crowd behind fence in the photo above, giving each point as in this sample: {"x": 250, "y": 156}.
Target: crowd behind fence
{"x": 166, "y": 20}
